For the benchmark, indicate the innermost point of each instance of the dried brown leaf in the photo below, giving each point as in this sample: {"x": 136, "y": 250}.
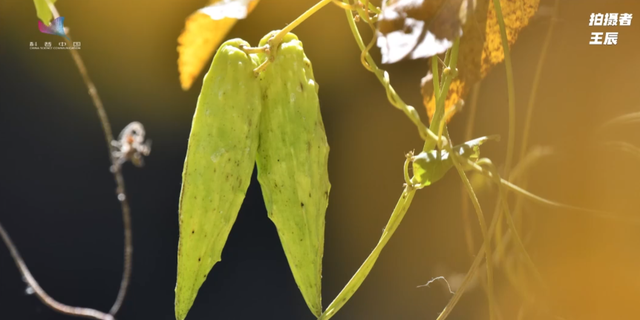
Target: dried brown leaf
{"x": 417, "y": 28}
{"x": 481, "y": 47}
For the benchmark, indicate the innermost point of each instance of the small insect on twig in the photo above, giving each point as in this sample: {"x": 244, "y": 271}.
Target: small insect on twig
{"x": 130, "y": 146}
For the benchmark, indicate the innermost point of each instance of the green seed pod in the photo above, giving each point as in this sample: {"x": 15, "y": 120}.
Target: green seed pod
{"x": 292, "y": 163}
{"x": 218, "y": 167}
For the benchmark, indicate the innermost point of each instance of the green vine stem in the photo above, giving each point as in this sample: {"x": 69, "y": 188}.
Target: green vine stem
{"x": 473, "y": 270}
{"x": 407, "y": 196}
{"x": 510, "y": 222}
{"x": 394, "y": 221}
{"x": 549, "y": 203}
{"x": 441, "y": 97}
{"x": 483, "y": 229}
{"x": 468, "y": 135}
{"x": 512, "y": 111}
{"x": 280, "y": 35}
{"x": 475, "y": 265}
{"x": 536, "y": 81}
{"x": 393, "y": 97}
{"x": 510, "y": 87}
{"x": 532, "y": 102}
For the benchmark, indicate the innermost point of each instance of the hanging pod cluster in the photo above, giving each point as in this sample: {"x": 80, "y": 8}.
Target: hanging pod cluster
{"x": 273, "y": 119}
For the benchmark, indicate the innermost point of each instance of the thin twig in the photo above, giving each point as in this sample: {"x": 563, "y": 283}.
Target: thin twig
{"x": 40, "y": 293}
{"x": 116, "y": 169}
{"x": 536, "y": 81}
{"x": 121, "y": 196}
{"x": 531, "y": 104}
{"x": 468, "y": 234}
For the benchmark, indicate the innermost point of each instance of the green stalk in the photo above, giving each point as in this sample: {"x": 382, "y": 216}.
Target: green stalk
{"x": 394, "y": 221}
{"x": 407, "y": 196}
{"x": 536, "y": 82}
{"x": 467, "y": 136}
{"x": 278, "y": 37}
{"x": 532, "y": 102}
{"x": 393, "y": 97}
{"x": 510, "y": 87}
{"x": 441, "y": 98}
{"x": 483, "y": 228}
{"x": 512, "y": 109}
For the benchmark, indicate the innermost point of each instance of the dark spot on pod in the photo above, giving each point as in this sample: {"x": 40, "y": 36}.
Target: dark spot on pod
{"x": 199, "y": 259}
{"x": 302, "y": 204}
{"x": 193, "y": 231}
{"x": 309, "y": 194}
{"x": 301, "y": 87}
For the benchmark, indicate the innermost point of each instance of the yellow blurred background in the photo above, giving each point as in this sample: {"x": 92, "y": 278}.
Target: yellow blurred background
{"x": 590, "y": 264}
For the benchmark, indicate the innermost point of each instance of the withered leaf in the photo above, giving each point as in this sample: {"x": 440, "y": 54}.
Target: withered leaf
{"x": 204, "y": 31}
{"x": 481, "y": 47}
{"x": 416, "y": 29}
{"x": 419, "y": 28}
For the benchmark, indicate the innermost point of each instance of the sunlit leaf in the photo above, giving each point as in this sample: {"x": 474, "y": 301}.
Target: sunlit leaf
{"x": 43, "y": 11}
{"x": 204, "y": 30}
{"x": 481, "y": 47}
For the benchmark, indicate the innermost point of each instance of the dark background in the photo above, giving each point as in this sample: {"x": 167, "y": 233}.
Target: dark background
{"x": 57, "y": 197}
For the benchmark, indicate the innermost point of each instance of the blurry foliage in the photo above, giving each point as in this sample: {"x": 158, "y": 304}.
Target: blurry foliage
{"x": 43, "y": 11}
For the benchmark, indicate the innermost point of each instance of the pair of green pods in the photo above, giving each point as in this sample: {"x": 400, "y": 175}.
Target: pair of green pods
{"x": 272, "y": 119}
